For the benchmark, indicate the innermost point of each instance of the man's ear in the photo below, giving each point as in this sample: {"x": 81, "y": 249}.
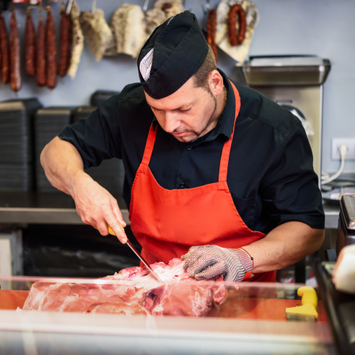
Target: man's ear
{"x": 215, "y": 82}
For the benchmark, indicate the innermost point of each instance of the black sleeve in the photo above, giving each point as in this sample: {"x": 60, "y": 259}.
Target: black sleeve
{"x": 96, "y": 137}
{"x": 290, "y": 189}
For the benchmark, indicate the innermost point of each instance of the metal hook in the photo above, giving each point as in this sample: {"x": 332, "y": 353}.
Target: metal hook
{"x": 69, "y": 6}
{"x": 93, "y": 7}
{"x": 206, "y": 7}
{"x": 145, "y": 5}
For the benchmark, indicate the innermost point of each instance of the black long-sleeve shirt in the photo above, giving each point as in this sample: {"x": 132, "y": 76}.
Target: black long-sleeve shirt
{"x": 270, "y": 174}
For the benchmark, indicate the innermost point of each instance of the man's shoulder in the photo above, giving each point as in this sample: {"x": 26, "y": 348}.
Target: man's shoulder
{"x": 133, "y": 90}
{"x": 257, "y": 106}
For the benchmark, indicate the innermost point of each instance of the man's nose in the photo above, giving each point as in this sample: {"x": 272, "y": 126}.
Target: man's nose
{"x": 171, "y": 122}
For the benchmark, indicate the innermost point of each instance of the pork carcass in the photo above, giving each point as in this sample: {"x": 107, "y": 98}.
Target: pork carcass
{"x": 97, "y": 33}
{"x": 132, "y": 291}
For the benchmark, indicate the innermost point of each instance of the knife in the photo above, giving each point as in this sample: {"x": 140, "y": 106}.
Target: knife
{"x": 135, "y": 251}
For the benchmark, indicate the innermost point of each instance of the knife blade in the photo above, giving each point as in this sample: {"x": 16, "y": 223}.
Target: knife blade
{"x": 140, "y": 257}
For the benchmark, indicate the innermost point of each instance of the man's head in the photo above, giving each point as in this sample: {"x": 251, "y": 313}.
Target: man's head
{"x": 178, "y": 73}
{"x": 172, "y": 54}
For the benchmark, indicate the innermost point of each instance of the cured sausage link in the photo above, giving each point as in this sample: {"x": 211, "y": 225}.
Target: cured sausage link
{"x": 4, "y": 52}
{"x": 242, "y": 25}
{"x": 30, "y": 46}
{"x": 41, "y": 77}
{"x": 64, "y": 43}
{"x": 15, "y": 56}
{"x": 211, "y": 31}
{"x": 235, "y": 37}
{"x": 51, "y": 50}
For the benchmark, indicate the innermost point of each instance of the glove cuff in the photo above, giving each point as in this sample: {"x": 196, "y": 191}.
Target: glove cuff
{"x": 247, "y": 261}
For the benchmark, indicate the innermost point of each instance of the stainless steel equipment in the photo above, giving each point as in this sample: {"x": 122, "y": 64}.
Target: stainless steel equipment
{"x": 346, "y": 224}
{"x": 294, "y": 81}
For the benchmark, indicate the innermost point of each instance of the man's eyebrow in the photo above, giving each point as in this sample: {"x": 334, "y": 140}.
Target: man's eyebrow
{"x": 175, "y": 109}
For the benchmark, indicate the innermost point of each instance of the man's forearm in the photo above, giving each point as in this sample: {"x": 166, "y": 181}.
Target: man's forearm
{"x": 62, "y": 164}
{"x": 285, "y": 245}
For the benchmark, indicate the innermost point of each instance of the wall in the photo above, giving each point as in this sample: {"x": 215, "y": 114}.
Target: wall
{"x": 321, "y": 27}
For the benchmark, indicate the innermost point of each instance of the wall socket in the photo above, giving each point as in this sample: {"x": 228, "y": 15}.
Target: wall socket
{"x": 349, "y": 142}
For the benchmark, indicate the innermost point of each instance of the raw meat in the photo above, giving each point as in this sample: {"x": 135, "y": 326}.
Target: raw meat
{"x": 132, "y": 291}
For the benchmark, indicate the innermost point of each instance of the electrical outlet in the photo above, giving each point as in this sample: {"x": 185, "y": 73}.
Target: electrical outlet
{"x": 349, "y": 142}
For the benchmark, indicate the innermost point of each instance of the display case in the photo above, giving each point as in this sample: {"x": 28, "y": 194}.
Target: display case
{"x": 206, "y": 318}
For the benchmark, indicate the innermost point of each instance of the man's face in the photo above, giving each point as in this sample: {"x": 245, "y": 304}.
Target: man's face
{"x": 188, "y": 113}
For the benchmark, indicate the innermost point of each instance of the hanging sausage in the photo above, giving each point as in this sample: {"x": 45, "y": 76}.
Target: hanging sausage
{"x": 64, "y": 42}
{"x": 51, "y": 50}
{"x": 4, "y": 52}
{"x": 30, "y": 45}
{"x": 15, "y": 55}
{"x": 41, "y": 77}
{"x": 236, "y": 37}
{"x": 211, "y": 31}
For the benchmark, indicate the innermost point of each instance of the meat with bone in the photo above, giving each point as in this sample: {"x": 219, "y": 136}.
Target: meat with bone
{"x": 132, "y": 291}
{"x": 129, "y": 29}
{"x": 97, "y": 33}
{"x": 77, "y": 40}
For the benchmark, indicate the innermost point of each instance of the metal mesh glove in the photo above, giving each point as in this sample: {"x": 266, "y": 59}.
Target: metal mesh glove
{"x": 210, "y": 261}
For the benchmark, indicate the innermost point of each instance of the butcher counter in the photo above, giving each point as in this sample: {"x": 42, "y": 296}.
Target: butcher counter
{"x": 251, "y": 320}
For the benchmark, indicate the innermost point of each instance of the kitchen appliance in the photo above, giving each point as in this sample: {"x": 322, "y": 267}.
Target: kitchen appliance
{"x": 346, "y": 222}
{"x": 295, "y": 82}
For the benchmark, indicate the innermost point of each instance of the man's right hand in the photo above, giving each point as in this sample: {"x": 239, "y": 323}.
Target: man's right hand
{"x": 64, "y": 169}
{"x": 97, "y": 207}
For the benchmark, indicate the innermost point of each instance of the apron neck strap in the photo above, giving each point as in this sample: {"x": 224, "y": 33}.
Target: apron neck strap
{"x": 223, "y": 167}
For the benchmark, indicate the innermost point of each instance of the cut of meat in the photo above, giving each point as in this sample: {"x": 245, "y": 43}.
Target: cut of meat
{"x": 132, "y": 291}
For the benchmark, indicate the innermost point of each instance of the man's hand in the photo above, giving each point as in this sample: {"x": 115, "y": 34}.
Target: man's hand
{"x": 210, "y": 261}
{"x": 97, "y": 207}
{"x": 64, "y": 169}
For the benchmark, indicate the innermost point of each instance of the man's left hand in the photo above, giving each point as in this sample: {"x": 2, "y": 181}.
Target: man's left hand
{"x": 210, "y": 261}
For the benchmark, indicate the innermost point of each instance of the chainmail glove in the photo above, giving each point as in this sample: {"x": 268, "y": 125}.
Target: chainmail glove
{"x": 210, "y": 261}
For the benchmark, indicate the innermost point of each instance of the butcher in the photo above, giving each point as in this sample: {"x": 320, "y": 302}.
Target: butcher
{"x": 215, "y": 173}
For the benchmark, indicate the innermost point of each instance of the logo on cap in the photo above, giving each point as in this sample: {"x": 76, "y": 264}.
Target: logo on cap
{"x": 145, "y": 65}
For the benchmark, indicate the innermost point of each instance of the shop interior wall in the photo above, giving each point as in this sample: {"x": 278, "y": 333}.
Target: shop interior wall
{"x": 319, "y": 27}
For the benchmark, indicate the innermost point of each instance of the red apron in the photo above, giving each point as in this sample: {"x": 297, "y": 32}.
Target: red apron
{"x": 168, "y": 222}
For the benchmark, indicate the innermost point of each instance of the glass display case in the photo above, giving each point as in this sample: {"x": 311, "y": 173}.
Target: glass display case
{"x": 111, "y": 316}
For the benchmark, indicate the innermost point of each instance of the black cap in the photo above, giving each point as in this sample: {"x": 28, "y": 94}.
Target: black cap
{"x": 172, "y": 54}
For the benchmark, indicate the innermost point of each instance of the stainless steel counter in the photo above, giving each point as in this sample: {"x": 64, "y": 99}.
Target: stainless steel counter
{"x": 43, "y": 208}
{"x": 59, "y": 208}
